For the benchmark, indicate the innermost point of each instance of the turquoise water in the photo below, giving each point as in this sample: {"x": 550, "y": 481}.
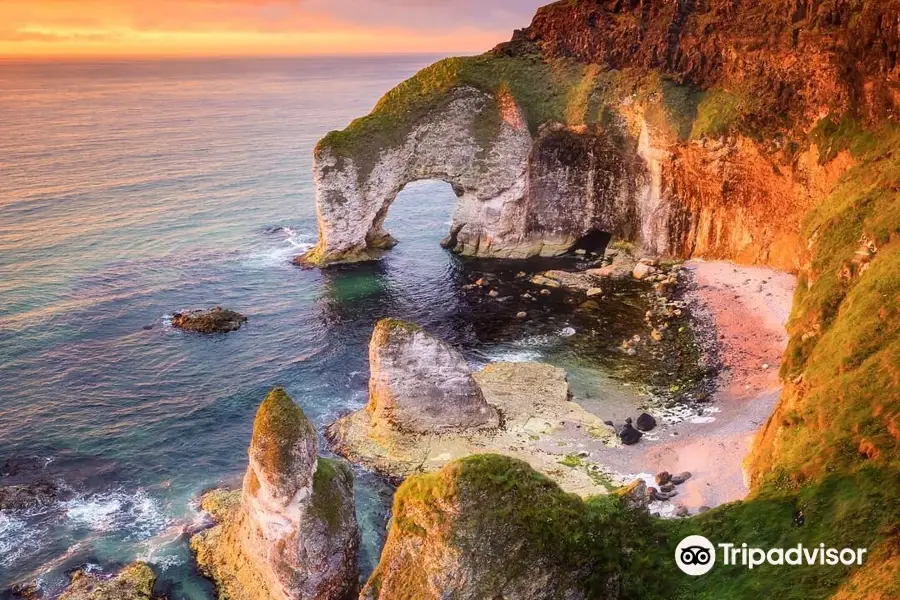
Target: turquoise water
{"x": 131, "y": 190}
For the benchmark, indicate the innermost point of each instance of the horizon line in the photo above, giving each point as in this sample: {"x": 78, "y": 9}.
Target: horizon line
{"x": 156, "y": 57}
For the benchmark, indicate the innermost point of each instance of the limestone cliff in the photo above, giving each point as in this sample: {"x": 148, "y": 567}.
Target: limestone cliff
{"x": 488, "y": 526}
{"x": 763, "y": 132}
{"x": 688, "y": 127}
{"x": 293, "y": 535}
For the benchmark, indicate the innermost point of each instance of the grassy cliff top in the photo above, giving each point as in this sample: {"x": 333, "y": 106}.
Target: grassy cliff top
{"x": 509, "y": 522}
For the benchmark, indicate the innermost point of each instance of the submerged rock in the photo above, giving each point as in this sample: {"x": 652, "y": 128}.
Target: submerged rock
{"x": 579, "y": 281}
{"x": 489, "y": 526}
{"x": 30, "y": 495}
{"x": 135, "y": 582}
{"x": 214, "y": 320}
{"x": 421, "y": 384}
{"x": 293, "y": 533}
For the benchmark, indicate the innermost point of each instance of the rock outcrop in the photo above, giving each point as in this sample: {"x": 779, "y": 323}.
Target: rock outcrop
{"x": 135, "y": 582}
{"x": 681, "y": 126}
{"x": 30, "y": 495}
{"x": 488, "y": 526}
{"x": 214, "y": 320}
{"x": 520, "y": 193}
{"x": 758, "y": 132}
{"x": 293, "y": 535}
{"x": 533, "y": 398}
{"x": 420, "y": 384}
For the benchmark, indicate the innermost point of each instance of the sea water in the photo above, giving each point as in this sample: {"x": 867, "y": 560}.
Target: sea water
{"x": 131, "y": 190}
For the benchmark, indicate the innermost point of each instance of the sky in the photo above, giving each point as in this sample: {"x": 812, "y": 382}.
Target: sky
{"x": 128, "y": 28}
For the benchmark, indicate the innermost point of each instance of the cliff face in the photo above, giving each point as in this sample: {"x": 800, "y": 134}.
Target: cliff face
{"x": 793, "y": 57}
{"x": 293, "y": 535}
{"x": 692, "y": 128}
{"x": 763, "y": 132}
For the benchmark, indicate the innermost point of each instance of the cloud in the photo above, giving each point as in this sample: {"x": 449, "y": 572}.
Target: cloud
{"x": 304, "y": 25}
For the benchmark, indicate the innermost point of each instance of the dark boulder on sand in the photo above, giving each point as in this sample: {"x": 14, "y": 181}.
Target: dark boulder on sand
{"x": 628, "y": 434}
{"x": 645, "y": 422}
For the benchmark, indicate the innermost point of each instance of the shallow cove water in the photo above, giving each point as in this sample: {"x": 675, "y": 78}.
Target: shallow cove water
{"x": 130, "y": 190}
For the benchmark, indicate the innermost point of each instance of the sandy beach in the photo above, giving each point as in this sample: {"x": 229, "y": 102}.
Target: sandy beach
{"x": 748, "y": 308}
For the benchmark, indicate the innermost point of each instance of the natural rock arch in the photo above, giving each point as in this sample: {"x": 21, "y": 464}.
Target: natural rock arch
{"x": 519, "y": 193}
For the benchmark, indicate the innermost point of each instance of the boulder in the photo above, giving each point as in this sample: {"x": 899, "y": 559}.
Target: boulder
{"x": 663, "y": 477}
{"x": 293, "y": 534}
{"x": 681, "y": 478}
{"x": 488, "y": 526}
{"x": 135, "y": 582}
{"x": 214, "y": 320}
{"x": 536, "y": 403}
{"x": 646, "y": 422}
{"x": 629, "y": 435}
{"x": 635, "y": 495}
{"x": 421, "y": 384}
{"x": 642, "y": 271}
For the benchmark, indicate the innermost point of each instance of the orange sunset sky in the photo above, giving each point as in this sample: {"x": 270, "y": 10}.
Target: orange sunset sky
{"x": 122, "y": 28}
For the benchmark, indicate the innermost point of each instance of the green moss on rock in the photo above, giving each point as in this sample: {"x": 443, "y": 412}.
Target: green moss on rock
{"x": 331, "y": 483}
{"x": 506, "y": 528}
{"x": 545, "y": 90}
{"x": 283, "y": 438}
{"x": 135, "y": 582}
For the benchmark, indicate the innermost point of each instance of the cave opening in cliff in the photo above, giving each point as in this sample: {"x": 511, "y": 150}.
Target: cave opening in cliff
{"x": 595, "y": 241}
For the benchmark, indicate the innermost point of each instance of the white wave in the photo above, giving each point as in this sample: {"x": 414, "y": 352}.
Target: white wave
{"x": 536, "y": 340}
{"x": 137, "y": 513}
{"x": 14, "y": 539}
{"x": 499, "y": 355}
{"x": 294, "y": 243}
{"x": 567, "y": 332}
{"x": 702, "y": 419}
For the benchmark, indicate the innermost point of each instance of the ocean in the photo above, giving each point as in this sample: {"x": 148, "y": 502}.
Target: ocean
{"x": 132, "y": 190}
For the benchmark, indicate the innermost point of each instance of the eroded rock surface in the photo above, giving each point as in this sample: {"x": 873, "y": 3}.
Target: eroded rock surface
{"x": 135, "y": 582}
{"x": 540, "y": 426}
{"x": 293, "y": 535}
{"x": 420, "y": 384}
{"x": 669, "y": 125}
{"x": 214, "y": 320}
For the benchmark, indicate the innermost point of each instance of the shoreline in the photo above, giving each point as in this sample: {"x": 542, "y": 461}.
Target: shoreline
{"x": 747, "y": 309}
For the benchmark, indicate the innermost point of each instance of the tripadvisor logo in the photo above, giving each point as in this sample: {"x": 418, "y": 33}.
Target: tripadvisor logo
{"x": 696, "y": 555}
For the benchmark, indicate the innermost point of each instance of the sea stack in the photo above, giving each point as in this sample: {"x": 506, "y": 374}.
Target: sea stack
{"x": 293, "y": 535}
{"x": 420, "y": 384}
